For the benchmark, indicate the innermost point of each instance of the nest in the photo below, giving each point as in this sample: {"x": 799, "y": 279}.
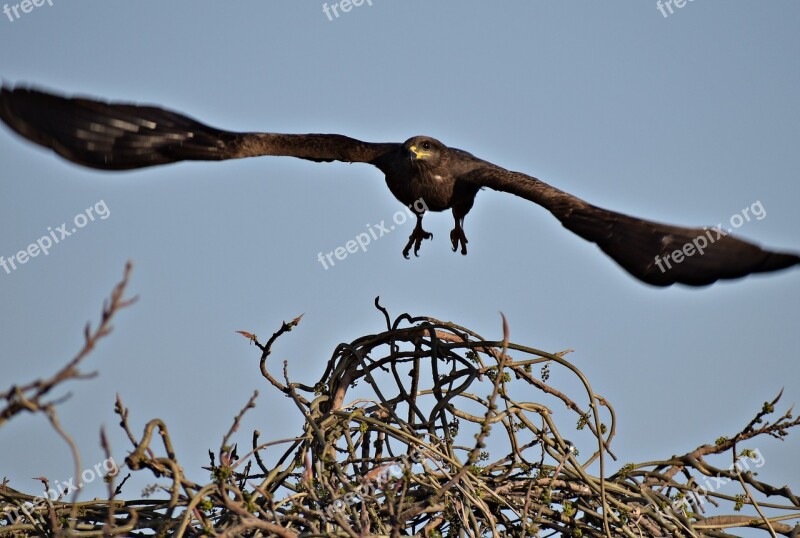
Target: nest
{"x": 425, "y": 428}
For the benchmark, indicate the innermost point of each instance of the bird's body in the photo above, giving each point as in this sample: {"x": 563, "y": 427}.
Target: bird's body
{"x": 422, "y": 173}
{"x": 411, "y": 178}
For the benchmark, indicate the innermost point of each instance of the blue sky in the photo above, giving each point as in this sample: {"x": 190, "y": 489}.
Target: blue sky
{"x": 685, "y": 119}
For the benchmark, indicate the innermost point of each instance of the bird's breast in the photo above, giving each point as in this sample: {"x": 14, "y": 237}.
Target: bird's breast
{"x": 435, "y": 189}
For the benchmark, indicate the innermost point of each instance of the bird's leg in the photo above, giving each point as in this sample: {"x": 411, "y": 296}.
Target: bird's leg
{"x": 457, "y": 236}
{"x": 416, "y": 238}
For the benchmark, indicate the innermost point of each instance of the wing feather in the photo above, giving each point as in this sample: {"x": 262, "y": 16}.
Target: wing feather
{"x": 644, "y": 248}
{"x": 120, "y": 136}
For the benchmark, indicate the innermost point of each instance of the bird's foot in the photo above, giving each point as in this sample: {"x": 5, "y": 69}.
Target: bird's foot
{"x": 457, "y": 238}
{"x": 415, "y": 239}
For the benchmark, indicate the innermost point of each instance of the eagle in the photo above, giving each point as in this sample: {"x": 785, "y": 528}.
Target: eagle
{"x": 123, "y": 136}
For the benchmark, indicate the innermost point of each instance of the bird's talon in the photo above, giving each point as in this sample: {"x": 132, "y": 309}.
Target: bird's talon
{"x": 418, "y": 246}
{"x": 415, "y": 240}
{"x": 457, "y": 238}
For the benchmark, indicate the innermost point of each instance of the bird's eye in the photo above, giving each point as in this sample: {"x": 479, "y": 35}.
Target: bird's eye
{"x": 426, "y": 145}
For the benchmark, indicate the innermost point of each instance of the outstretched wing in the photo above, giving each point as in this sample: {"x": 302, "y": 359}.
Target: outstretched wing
{"x": 659, "y": 254}
{"x": 119, "y": 136}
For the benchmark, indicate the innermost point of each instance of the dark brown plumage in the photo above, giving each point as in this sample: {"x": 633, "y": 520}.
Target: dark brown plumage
{"x": 115, "y": 136}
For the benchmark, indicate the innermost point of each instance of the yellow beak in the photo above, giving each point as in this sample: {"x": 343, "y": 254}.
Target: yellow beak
{"x": 418, "y": 153}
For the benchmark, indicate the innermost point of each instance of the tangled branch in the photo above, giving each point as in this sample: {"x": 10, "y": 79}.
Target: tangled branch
{"x": 427, "y": 428}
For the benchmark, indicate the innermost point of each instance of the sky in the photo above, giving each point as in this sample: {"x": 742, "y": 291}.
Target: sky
{"x": 687, "y": 118}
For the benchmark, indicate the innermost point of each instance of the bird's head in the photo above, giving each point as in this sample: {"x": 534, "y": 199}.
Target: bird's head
{"x": 425, "y": 150}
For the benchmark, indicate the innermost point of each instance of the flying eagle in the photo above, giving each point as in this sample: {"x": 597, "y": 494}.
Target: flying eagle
{"x": 120, "y": 136}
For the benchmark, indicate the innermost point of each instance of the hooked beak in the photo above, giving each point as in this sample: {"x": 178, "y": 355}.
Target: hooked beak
{"x": 417, "y": 154}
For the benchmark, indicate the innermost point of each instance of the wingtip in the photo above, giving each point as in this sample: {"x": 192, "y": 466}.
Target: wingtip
{"x": 777, "y": 261}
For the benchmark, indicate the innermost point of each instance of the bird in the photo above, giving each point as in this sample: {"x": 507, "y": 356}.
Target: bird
{"x": 122, "y": 136}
